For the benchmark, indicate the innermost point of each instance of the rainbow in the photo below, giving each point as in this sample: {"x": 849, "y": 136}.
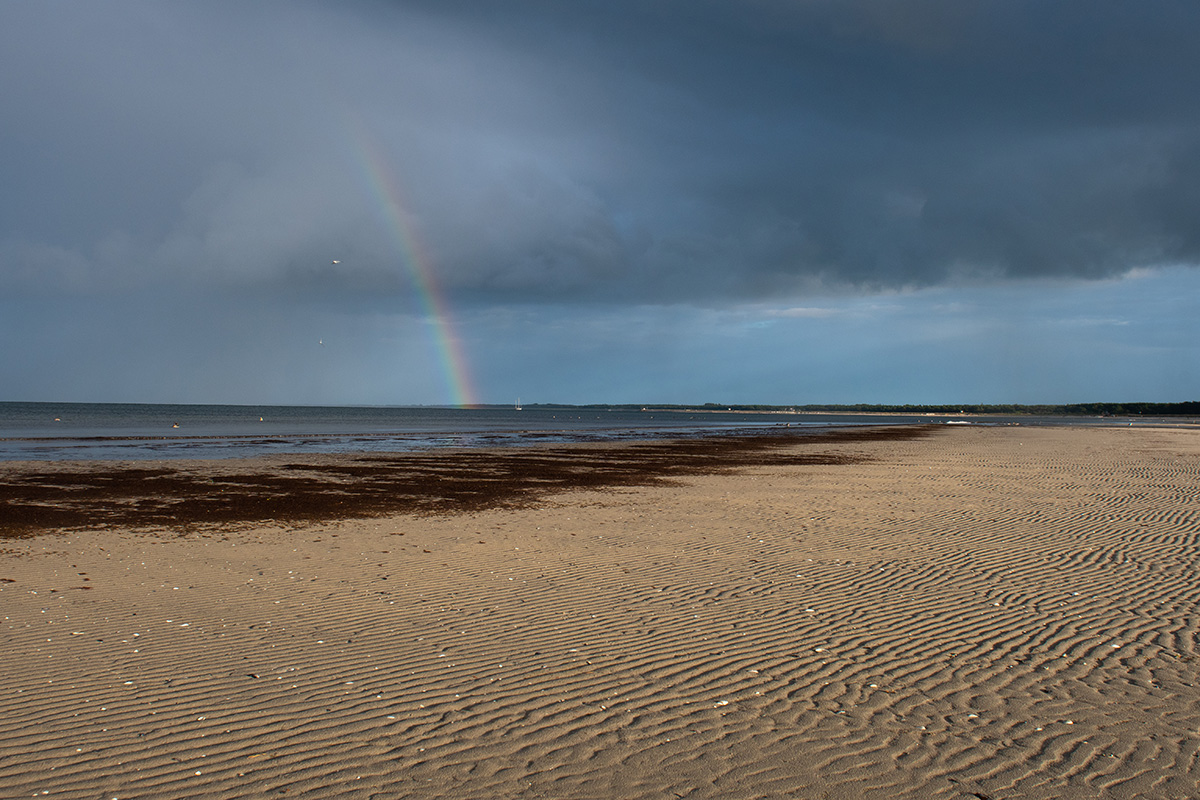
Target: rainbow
{"x": 380, "y": 178}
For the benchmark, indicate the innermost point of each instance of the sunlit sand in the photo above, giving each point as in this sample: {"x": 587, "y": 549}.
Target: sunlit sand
{"x": 959, "y": 612}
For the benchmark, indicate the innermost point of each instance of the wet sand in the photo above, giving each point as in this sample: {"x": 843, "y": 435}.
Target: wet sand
{"x": 955, "y": 612}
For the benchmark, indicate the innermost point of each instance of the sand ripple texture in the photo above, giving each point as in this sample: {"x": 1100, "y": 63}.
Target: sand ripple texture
{"x": 982, "y": 613}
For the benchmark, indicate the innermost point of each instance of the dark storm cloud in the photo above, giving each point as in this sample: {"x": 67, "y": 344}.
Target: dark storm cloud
{"x": 595, "y": 150}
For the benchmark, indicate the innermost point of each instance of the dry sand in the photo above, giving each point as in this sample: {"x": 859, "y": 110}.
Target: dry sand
{"x": 976, "y": 613}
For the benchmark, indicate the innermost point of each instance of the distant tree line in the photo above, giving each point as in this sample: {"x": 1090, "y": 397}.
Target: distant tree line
{"x": 1191, "y": 408}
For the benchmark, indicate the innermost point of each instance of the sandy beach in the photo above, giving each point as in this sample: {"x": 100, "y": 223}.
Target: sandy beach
{"x": 943, "y": 612}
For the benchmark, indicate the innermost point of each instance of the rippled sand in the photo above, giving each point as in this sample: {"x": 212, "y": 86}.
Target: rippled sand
{"x": 975, "y": 613}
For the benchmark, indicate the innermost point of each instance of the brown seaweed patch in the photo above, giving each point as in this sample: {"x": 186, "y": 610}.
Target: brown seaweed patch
{"x": 34, "y": 500}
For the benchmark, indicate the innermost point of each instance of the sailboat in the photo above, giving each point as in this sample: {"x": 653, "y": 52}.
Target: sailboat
{"x": 518, "y": 404}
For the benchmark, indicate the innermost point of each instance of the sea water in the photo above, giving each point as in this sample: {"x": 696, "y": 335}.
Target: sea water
{"x": 44, "y": 431}
{"x": 58, "y": 431}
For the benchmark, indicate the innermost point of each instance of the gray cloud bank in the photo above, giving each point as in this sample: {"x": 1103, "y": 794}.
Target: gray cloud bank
{"x": 600, "y": 151}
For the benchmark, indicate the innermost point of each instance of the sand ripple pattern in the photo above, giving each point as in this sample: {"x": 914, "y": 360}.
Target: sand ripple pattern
{"x": 985, "y": 613}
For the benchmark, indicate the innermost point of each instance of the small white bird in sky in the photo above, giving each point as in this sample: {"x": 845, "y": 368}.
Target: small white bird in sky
{"x": 337, "y": 262}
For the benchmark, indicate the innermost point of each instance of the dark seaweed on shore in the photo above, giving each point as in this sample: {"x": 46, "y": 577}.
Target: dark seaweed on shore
{"x": 35, "y": 500}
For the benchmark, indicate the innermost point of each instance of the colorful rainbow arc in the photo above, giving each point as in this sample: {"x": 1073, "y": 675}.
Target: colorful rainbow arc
{"x": 381, "y": 180}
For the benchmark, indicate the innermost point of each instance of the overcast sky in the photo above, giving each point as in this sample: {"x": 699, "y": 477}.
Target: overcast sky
{"x": 744, "y": 201}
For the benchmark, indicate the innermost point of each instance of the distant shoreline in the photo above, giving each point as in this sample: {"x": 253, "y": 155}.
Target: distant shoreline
{"x": 1195, "y": 419}
{"x": 1185, "y": 409}
{"x": 1189, "y": 408}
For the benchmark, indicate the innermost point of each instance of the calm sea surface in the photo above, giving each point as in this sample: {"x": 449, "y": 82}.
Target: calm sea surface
{"x": 59, "y": 431}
